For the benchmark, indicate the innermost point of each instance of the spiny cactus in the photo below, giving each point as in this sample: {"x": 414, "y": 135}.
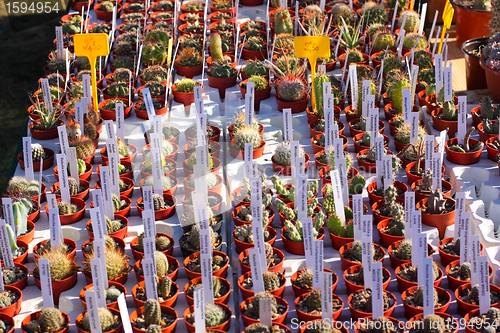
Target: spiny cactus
{"x": 295, "y": 231}
{"x": 336, "y": 227}
{"x": 304, "y": 279}
{"x": 412, "y": 22}
{"x": 473, "y": 297}
{"x": 313, "y": 300}
{"x": 116, "y": 263}
{"x": 221, "y": 70}
{"x": 396, "y": 93}
{"x": 152, "y": 312}
{"x": 403, "y": 251}
{"x": 272, "y": 280}
{"x": 374, "y": 13}
{"x": 190, "y": 57}
{"x": 434, "y": 324}
{"x": 264, "y": 295}
{"x": 283, "y": 22}
{"x": 66, "y": 208}
{"x": 194, "y": 237}
{"x": 254, "y": 43}
{"x": 106, "y": 318}
{"x": 384, "y": 40}
{"x": 61, "y": 267}
{"x": 259, "y": 81}
{"x": 84, "y": 147}
{"x": 419, "y": 296}
{"x": 254, "y": 67}
{"x": 19, "y": 186}
{"x": 164, "y": 288}
{"x": 290, "y": 88}
{"x": 214, "y": 315}
{"x": 357, "y": 184}
{"x": 414, "y": 39}
{"x": 465, "y": 271}
{"x": 161, "y": 263}
{"x": 246, "y": 135}
{"x": 318, "y": 92}
{"x": 186, "y": 85}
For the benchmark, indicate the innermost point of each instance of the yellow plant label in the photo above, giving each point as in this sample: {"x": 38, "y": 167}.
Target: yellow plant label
{"x": 91, "y": 46}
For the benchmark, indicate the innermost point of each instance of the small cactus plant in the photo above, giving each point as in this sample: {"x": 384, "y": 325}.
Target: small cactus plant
{"x": 107, "y": 319}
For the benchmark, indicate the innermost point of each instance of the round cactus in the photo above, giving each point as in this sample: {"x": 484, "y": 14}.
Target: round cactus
{"x": 290, "y": 89}
{"x": 61, "y": 267}
{"x": 214, "y": 315}
{"x": 412, "y": 22}
{"x": 313, "y": 300}
{"x": 105, "y": 317}
{"x": 51, "y": 320}
{"x": 264, "y": 295}
{"x": 384, "y": 40}
{"x": 246, "y": 135}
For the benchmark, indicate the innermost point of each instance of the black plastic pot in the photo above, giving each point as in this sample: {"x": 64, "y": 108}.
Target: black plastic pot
{"x": 476, "y": 78}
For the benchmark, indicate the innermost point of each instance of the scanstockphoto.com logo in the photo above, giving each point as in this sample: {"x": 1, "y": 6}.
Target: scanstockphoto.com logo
{"x": 452, "y": 323}
{"x": 27, "y": 14}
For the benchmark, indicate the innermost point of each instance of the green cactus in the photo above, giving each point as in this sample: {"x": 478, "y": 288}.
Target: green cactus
{"x": 449, "y": 111}
{"x": 488, "y": 110}
{"x": 112, "y": 294}
{"x": 384, "y": 40}
{"x": 473, "y": 297}
{"x": 106, "y": 318}
{"x": 357, "y": 184}
{"x": 51, "y": 320}
{"x": 412, "y": 22}
{"x": 264, "y": 295}
{"x": 356, "y": 250}
{"x": 374, "y": 13}
{"x": 403, "y": 251}
{"x": 190, "y": 57}
{"x": 221, "y": 70}
{"x": 246, "y": 135}
{"x": 465, "y": 271}
{"x": 313, "y": 300}
{"x": 396, "y": 95}
{"x": 254, "y": 67}
{"x": 32, "y": 327}
{"x": 336, "y": 227}
{"x": 152, "y": 312}
{"x": 342, "y": 10}
{"x": 153, "y": 329}
{"x": 165, "y": 287}
{"x": 283, "y": 22}
{"x": 186, "y": 85}
{"x": 414, "y": 39}
{"x": 490, "y": 127}
{"x": 116, "y": 263}
{"x": 259, "y": 81}
{"x": 272, "y": 280}
{"x": 214, "y": 315}
{"x": 419, "y": 296}
{"x": 426, "y": 76}
{"x": 161, "y": 263}
{"x": 318, "y": 92}
{"x": 254, "y": 43}
{"x": 290, "y": 89}
{"x": 66, "y": 208}
{"x": 304, "y": 279}
{"x": 194, "y": 237}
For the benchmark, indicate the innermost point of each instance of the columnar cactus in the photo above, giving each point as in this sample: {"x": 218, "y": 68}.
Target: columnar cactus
{"x": 152, "y": 312}
{"x": 272, "y": 280}
{"x": 318, "y": 92}
{"x": 66, "y": 208}
{"x": 165, "y": 287}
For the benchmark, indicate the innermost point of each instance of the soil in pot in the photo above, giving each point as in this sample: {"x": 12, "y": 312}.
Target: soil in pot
{"x": 250, "y": 307}
{"x": 356, "y": 277}
{"x": 309, "y": 305}
{"x": 360, "y": 302}
{"x": 470, "y": 295}
{"x": 353, "y": 251}
{"x": 166, "y": 290}
{"x": 413, "y": 300}
{"x": 193, "y": 264}
{"x": 166, "y": 319}
{"x": 408, "y": 273}
{"x": 273, "y": 281}
{"x": 272, "y": 260}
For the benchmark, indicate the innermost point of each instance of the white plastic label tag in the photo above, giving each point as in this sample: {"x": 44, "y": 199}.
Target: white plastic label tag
{"x": 199, "y": 310}
{"x": 337, "y": 195}
{"x": 148, "y": 268}
{"x": 46, "y": 283}
{"x": 92, "y": 309}
{"x": 265, "y": 312}
{"x": 206, "y": 277}
{"x": 98, "y": 282}
{"x": 475, "y": 252}
{"x": 464, "y": 240}
{"x": 484, "y": 284}
{"x": 428, "y": 286}
{"x": 462, "y": 119}
{"x": 127, "y": 327}
{"x": 357, "y": 213}
{"x": 249, "y": 103}
{"x": 5, "y": 246}
{"x": 28, "y": 159}
{"x": 318, "y": 264}
{"x": 63, "y": 177}
{"x": 287, "y": 125}
{"x": 367, "y": 260}
{"x": 256, "y": 270}
{"x": 326, "y": 296}
{"x": 377, "y": 290}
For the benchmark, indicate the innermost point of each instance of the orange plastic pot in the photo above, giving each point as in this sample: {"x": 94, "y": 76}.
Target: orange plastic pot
{"x": 83, "y": 195}
{"x": 347, "y": 263}
{"x": 286, "y": 170}
{"x": 139, "y": 255}
{"x": 245, "y": 293}
{"x": 405, "y": 284}
{"x": 161, "y": 214}
{"x": 305, "y": 317}
{"x": 35, "y": 316}
{"x": 411, "y": 311}
{"x": 439, "y": 221}
{"x": 463, "y": 307}
{"x": 242, "y": 246}
{"x": 297, "y": 107}
{"x": 79, "y": 320}
{"x": 224, "y": 299}
{"x": 249, "y": 321}
{"x": 356, "y": 314}
{"x": 454, "y": 283}
{"x": 47, "y": 163}
{"x": 112, "y": 305}
{"x": 375, "y": 198}
{"x": 441, "y": 124}
{"x": 171, "y": 261}
{"x": 395, "y": 262}
{"x": 221, "y": 272}
{"x": 385, "y": 239}
{"x": 297, "y": 247}
{"x": 171, "y": 302}
{"x": 225, "y": 326}
{"x": 164, "y": 309}
{"x": 301, "y": 291}
{"x": 60, "y": 286}
{"x": 352, "y": 288}
{"x": 277, "y": 268}
{"x": 463, "y": 18}
{"x": 222, "y": 83}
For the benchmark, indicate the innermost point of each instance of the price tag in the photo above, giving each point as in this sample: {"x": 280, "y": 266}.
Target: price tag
{"x": 401, "y": 38}
{"x": 377, "y": 290}
{"x": 366, "y": 91}
{"x": 307, "y": 226}
{"x": 372, "y": 122}
{"x": 438, "y": 65}
{"x": 265, "y": 312}
{"x": 63, "y": 139}
{"x": 428, "y": 291}
{"x": 337, "y": 195}
{"x": 256, "y": 270}
{"x": 98, "y": 226}
{"x": 147, "y": 197}
{"x": 367, "y": 261}
{"x": 148, "y": 268}
{"x": 409, "y": 207}
{"x": 436, "y": 170}
{"x": 92, "y": 309}
{"x": 448, "y": 82}
{"x": 418, "y": 253}
{"x": 387, "y": 160}
{"x": 206, "y": 277}
{"x": 122, "y": 305}
{"x": 353, "y": 76}
{"x": 475, "y": 252}
{"x": 46, "y": 283}
{"x": 47, "y": 99}
{"x": 406, "y": 105}
{"x": 55, "y": 227}
{"x": 5, "y": 246}
{"x": 106, "y": 192}
{"x": 318, "y": 264}
{"x": 98, "y": 282}
{"x": 357, "y": 213}
{"x": 462, "y": 118}
{"x": 414, "y": 122}
{"x": 249, "y": 103}
{"x": 465, "y": 238}
{"x": 202, "y": 215}
{"x": 287, "y": 125}
{"x": 199, "y": 310}
{"x": 8, "y": 212}
{"x": 326, "y": 296}
{"x": 484, "y": 284}
{"x": 28, "y": 158}
{"x": 100, "y": 253}
{"x": 63, "y": 177}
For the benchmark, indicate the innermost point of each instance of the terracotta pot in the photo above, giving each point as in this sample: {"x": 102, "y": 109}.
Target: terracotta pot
{"x": 359, "y": 314}
{"x": 385, "y": 239}
{"x": 476, "y": 116}
{"x": 172, "y": 301}
{"x": 239, "y": 154}
{"x": 83, "y": 195}
{"x": 245, "y": 293}
{"x": 254, "y": 55}
{"x": 492, "y": 153}
{"x": 222, "y": 272}
{"x": 441, "y": 124}
{"x": 279, "y": 320}
{"x": 475, "y": 75}
{"x": 454, "y": 283}
{"x": 301, "y": 291}
{"x": 347, "y": 263}
{"x": 395, "y": 262}
{"x": 171, "y": 261}
{"x": 352, "y": 288}
{"x": 483, "y": 136}
{"x": 411, "y": 311}
{"x": 60, "y": 286}
{"x": 103, "y": 15}
{"x": 286, "y": 169}
{"x": 305, "y": 317}
{"x": 35, "y": 316}
{"x": 338, "y": 242}
{"x": 71, "y": 218}
{"x": 359, "y": 147}
{"x": 21, "y": 284}
{"x": 85, "y": 176}
{"x": 448, "y": 319}
{"x": 162, "y": 214}
{"x": 404, "y": 284}
{"x": 373, "y": 187}
{"x": 296, "y": 107}
{"x": 342, "y": 60}
{"x": 464, "y": 16}
{"x": 139, "y": 255}
{"x": 23, "y": 257}
{"x": 439, "y": 221}
{"x": 447, "y": 258}
{"x": 222, "y": 84}
{"x": 112, "y": 305}
{"x": 242, "y": 246}
{"x": 47, "y": 163}
{"x": 44, "y": 135}
{"x": 259, "y": 95}
{"x": 217, "y": 188}
{"x": 411, "y": 178}
{"x": 278, "y": 268}
{"x": 492, "y": 79}
{"x": 468, "y": 317}
{"x": 79, "y": 319}
{"x": 186, "y": 98}
{"x": 297, "y": 247}
{"x": 367, "y": 166}
{"x": 187, "y": 71}
{"x": 13, "y": 309}
{"x": 164, "y": 309}
{"x": 446, "y": 189}
{"x": 223, "y": 327}
{"x": 120, "y": 234}
{"x": 224, "y": 299}
{"x": 463, "y": 307}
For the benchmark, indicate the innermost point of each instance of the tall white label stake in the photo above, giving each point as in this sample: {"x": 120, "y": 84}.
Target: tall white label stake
{"x": 63, "y": 177}
{"x": 326, "y": 296}
{"x": 484, "y": 284}
{"x": 127, "y": 327}
{"x": 428, "y": 286}
{"x": 46, "y": 283}
{"x": 92, "y": 309}
{"x": 475, "y": 252}
{"x": 256, "y": 270}
{"x": 287, "y": 125}
{"x": 377, "y": 290}
{"x": 28, "y": 159}
{"x": 462, "y": 118}
{"x": 5, "y": 246}
{"x": 199, "y": 310}
{"x": 318, "y": 264}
